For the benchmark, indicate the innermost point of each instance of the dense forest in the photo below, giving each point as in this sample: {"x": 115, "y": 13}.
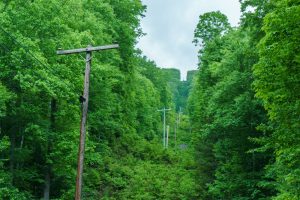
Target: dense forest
{"x": 234, "y": 126}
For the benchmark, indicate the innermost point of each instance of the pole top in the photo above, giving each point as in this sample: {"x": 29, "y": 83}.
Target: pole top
{"x": 164, "y": 109}
{"x": 89, "y": 48}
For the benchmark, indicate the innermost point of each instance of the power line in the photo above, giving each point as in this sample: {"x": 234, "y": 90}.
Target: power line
{"x": 22, "y": 62}
{"x": 31, "y": 55}
{"x": 24, "y": 47}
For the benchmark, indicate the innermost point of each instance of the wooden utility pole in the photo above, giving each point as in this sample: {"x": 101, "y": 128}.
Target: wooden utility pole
{"x": 179, "y": 116}
{"x": 84, "y": 100}
{"x": 164, "y": 128}
{"x": 167, "y": 139}
{"x": 177, "y": 126}
{"x": 175, "y": 132}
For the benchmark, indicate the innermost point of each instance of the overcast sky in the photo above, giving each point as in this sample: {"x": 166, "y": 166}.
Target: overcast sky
{"x": 170, "y": 24}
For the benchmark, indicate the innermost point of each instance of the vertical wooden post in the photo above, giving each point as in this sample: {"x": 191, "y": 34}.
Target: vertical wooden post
{"x": 85, "y": 102}
{"x": 175, "y": 132}
{"x": 167, "y": 139}
{"x": 164, "y": 125}
{"x": 84, "y": 99}
{"x": 164, "y": 132}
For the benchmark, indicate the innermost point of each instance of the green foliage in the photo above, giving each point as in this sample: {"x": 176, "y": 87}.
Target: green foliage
{"x": 241, "y": 151}
{"x": 240, "y": 140}
{"x": 210, "y": 26}
{"x": 277, "y": 84}
{"x": 7, "y": 189}
{"x": 224, "y": 115}
{"x": 40, "y": 111}
{"x": 43, "y": 120}
{"x": 157, "y": 181}
{"x": 5, "y": 96}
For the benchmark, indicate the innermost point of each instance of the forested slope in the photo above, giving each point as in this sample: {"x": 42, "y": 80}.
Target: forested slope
{"x": 244, "y": 106}
{"x": 234, "y": 130}
{"x": 40, "y": 110}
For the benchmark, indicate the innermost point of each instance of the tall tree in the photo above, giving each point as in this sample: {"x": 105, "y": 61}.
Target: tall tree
{"x": 211, "y": 25}
{"x": 277, "y": 83}
{"x": 225, "y": 115}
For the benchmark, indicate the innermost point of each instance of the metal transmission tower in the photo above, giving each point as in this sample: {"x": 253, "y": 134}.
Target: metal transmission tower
{"x": 84, "y": 100}
{"x": 164, "y": 123}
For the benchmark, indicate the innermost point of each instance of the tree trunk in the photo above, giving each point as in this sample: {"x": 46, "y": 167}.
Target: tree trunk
{"x": 48, "y": 167}
{"x": 47, "y": 185}
{"x": 12, "y": 155}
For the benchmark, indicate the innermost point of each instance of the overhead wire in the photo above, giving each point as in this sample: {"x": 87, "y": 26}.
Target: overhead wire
{"x": 27, "y": 50}
{"x": 32, "y": 55}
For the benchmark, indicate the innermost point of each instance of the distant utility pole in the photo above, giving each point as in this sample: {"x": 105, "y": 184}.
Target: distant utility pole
{"x": 167, "y": 139}
{"x": 177, "y": 125}
{"x": 179, "y": 115}
{"x": 164, "y": 128}
{"x": 175, "y": 131}
{"x": 84, "y": 100}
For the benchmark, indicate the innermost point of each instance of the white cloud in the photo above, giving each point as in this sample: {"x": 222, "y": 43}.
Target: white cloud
{"x": 170, "y": 25}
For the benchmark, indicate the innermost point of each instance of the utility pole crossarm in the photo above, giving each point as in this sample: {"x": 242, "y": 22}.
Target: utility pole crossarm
{"x": 163, "y": 110}
{"x": 87, "y": 49}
